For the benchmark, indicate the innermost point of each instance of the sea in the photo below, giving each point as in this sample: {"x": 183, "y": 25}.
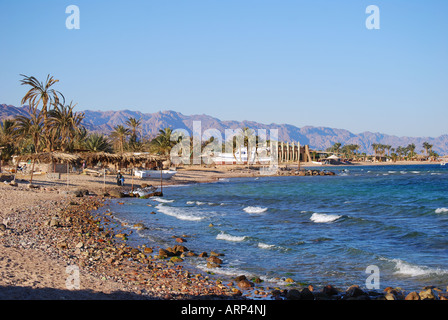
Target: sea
{"x": 390, "y": 222}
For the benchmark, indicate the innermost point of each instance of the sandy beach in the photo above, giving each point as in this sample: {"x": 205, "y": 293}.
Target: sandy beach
{"x": 34, "y": 256}
{"x": 47, "y": 231}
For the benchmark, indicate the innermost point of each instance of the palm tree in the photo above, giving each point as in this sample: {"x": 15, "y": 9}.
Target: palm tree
{"x": 375, "y": 147}
{"x": 41, "y": 93}
{"x": 335, "y": 148}
{"x": 134, "y": 126}
{"x": 64, "y": 124}
{"x": 97, "y": 142}
{"x": 7, "y": 140}
{"x": 31, "y": 128}
{"x": 79, "y": 140}
{"x": 427, "y": 147}
{"x": 162, "y": 144}
{"x": 119, "y": 136}
{"x": 388, "y": 148}
{"x": 411, "y": 148}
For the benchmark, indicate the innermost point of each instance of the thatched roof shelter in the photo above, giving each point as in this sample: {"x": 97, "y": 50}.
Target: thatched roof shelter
{"x": 103, "y": 157}
{"x": 49, "y": 157}
{"x": 124, "y": 158}
{"x": 134, "y": 158}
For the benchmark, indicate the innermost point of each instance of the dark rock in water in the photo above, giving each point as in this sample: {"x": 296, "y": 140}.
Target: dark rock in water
{"x": 203, "y": 255}
{"x": 257, "y": 280}
{"x": 176, "y": 259}
{"x": 245, "y": 284}
{"x": 212, "y": 265}
{"x": 165, "y": 253}
{"x": 214, "y": 260}
{"x": 306, "y": 294}
{"x": 354, "y": 292}
{"x": 2, "y": 227}
{"x": 140, "y": 226}
{"x": 239, "y": 278}
{"x": 180, "y": 248}
{"x": 427, "y": 294}
{"x": 293, "y": 294}
{"x": 329, "y": 290}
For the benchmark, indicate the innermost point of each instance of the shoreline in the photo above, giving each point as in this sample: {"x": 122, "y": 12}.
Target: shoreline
{"x": 45, "y": 234}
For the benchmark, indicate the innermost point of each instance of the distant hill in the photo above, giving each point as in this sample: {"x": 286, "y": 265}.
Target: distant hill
{"x": 318, "y": 138}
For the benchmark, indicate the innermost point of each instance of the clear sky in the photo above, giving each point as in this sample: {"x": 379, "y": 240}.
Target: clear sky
{"x": 273, "y": 61}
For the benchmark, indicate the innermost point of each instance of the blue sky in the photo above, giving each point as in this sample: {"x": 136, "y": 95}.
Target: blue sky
{"x": 284, "y": 61}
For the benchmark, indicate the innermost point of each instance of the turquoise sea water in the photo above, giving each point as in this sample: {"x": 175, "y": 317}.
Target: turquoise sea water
{"x": 316, "y": 230}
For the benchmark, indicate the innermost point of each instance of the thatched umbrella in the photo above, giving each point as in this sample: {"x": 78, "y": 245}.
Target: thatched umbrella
{"x": 134, "y": 158}
{"x": 122, "y": 158}
{"x": 46, "y": 157}
{"x": 103, "y": 157}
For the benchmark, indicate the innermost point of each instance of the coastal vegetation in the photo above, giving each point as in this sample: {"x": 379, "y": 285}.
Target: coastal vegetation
{"x": 54, "y": 125}
{"x": 382, "y": 152}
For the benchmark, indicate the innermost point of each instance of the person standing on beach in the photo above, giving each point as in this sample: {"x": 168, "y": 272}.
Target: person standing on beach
{"x": 119, "y": 179}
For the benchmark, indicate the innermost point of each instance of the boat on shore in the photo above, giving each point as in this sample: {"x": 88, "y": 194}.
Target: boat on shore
{"x": 154, "y": 174}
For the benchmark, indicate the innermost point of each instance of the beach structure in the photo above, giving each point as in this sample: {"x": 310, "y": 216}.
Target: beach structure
{"x": 287, "y": 152}
{"x": 48, "y": 162}
{"x": 293, "y": 152}
{"x": 130, "y": 159}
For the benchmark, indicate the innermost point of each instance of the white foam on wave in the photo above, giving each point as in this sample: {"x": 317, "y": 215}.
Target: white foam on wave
{"x": 162, "y": 200}
{"x": 324, "y": 218}
{"x": 233, "y": 271}
{"x": 179, "y": 213}
{"x": 252, "y": 209}
{"x": 408, "y": 269}
{"x": 228, "y": 237}
{"x": 198, "y": 203}
{"x": 441, "y": 210}
{"x": 265, "y": 245}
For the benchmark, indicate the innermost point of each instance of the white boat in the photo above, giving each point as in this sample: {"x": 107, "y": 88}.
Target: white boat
{"x": 443, "y": 163}
{"x": 317, "y": 162}
{"x": 155, "y": 174}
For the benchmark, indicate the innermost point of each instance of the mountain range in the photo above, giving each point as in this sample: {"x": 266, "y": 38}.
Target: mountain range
{"x": 318, "y": 138}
